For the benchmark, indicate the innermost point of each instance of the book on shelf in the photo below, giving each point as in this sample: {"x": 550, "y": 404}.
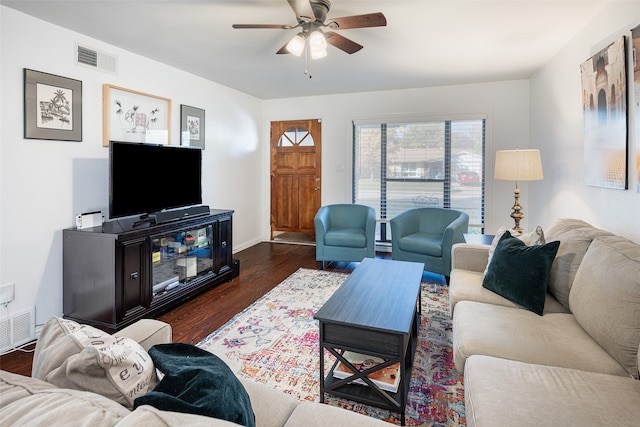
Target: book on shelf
{"x": 386, "y": 378}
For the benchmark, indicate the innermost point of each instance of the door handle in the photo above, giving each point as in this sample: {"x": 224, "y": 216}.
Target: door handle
{"x": 317, "y": 188}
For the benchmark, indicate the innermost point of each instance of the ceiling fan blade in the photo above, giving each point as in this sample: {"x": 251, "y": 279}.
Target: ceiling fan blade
{"x": 276, "y": 26}
{"x": 358, "y": 21}
{"x": 303, "y": 10}
{"x": 342, "y": 43}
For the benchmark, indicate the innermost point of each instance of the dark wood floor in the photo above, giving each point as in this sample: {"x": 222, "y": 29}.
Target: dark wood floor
{"x": 262, "y": 267}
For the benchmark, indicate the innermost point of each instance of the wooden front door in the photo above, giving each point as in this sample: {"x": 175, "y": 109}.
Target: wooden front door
{"x": 295, "y": 175}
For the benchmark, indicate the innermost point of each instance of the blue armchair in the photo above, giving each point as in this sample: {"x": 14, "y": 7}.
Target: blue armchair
{"x": 426, "y": 235}
{"x": 345, "y": 232}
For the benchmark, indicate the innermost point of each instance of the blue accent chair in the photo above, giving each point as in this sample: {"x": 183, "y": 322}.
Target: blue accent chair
{"x": 345, "y": 232}
{"x": 426, "y": 235}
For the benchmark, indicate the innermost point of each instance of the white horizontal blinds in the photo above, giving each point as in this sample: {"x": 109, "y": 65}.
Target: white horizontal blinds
{"x": 367, "y": 168}
{"x": 468, "y": 141}
{"x": 446, "y": 188}
{"x": 406, "y": 164}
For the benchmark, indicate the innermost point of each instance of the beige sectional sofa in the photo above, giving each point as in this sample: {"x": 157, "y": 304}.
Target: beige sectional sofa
{"x": 29, "y": 401}
{"x": 574, "y": 365}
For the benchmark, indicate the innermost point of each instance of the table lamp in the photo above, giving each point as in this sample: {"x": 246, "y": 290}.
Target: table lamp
{"x": 518, "y": 165}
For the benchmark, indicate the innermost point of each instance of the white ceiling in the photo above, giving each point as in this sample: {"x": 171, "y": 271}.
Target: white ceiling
{"x": 425, "y": 43}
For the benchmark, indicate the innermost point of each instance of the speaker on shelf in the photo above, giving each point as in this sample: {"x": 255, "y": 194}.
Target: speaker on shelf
{"x": 176, "y": 214}
{"x": 236, "y": 268}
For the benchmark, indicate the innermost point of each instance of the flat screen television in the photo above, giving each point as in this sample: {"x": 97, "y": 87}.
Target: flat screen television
{"x": 149, "y": 178}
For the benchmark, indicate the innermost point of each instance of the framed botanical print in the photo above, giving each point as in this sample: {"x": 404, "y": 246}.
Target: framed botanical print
{"x": 129, "y": 115}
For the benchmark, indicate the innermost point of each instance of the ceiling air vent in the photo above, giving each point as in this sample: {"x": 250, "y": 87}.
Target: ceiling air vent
{"x": 93, "y": 58}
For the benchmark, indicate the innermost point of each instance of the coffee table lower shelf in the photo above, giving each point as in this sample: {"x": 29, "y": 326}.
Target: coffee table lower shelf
{"x": 363, "y": 394}
{"x": 392, "y": 401}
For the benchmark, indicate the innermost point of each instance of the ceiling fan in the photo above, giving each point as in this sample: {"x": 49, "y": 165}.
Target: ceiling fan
{"x": 311, "y": 16}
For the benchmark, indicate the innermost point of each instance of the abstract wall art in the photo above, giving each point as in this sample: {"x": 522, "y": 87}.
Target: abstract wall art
{"x": 604, "y": 104}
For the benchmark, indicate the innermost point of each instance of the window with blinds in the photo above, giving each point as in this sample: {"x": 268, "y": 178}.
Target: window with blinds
{"x": 405, "y": 165}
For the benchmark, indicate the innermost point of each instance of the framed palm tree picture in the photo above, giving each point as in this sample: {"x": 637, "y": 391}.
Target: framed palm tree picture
{"x": 52, "y": 107}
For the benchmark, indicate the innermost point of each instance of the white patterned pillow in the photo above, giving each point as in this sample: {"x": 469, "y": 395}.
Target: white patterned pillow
{"x": 80, "y": 357}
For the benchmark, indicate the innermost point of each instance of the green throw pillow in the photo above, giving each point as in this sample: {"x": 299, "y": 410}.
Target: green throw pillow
{"x": 197, "y": 382}
{"x": 520, "y": 273}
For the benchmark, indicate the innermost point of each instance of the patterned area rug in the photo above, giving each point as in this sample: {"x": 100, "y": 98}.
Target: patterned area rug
{"x": 275, "y": 341}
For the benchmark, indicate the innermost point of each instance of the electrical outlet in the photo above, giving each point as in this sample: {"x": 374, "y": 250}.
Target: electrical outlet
{"x": 7, "y": 293}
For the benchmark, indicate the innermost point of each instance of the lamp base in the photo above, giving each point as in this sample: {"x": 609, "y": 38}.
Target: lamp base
{"x": 517, "y": 214}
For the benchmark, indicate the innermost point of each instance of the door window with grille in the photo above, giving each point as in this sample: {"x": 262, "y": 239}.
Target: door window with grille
{"x": 405, "y": 165}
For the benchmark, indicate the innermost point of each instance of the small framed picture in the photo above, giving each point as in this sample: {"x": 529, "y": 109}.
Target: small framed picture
{"x": 52, "y": 107}
{"x": 191, "y": 126}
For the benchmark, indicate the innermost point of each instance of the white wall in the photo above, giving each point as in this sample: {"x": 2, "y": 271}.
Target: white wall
{"x": 556, "y": 128}
{"x": 506, "y": 105}
{"x": 46, "y": 183}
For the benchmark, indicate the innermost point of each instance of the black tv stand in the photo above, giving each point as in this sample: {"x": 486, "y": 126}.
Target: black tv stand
{"x": 123, "y": 271}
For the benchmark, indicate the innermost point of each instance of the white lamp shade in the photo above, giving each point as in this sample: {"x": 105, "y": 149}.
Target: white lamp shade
{"x": 518, "y": 165}
{"x": 296, "y": 45}
{"x": 318, "y": 45}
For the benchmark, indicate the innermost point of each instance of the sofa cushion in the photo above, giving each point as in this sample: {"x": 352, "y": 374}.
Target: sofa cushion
{"x": 466, "y": 285}
{"x": 29, "y": 401}
{"x": 271, "y": 407}
{"x": 501, "y": 392}
{"x": 605, "y": 298}
{"x": 555, "y": 339}
{"x": 81, "y": 357}
{"x": 575, "y": 236}
{"x": 315, "y": 414}
{"x": 520, "y": 273}
{"x": 197, "y": 382}
{"x": 148, "y": 416}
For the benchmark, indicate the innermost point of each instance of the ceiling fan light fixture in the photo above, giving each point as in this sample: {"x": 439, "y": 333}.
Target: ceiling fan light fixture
{"x": 312, "y": 19}
{"x": 317, "y": 54}
{"x": 317, "y": 44}
{"x": 296, "y": 45}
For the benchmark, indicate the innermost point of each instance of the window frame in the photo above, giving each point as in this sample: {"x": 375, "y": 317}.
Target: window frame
{"x": 446, "y": 181}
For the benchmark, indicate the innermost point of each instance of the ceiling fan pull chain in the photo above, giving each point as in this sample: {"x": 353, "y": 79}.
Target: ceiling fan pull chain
{"x": 307, "y": 60}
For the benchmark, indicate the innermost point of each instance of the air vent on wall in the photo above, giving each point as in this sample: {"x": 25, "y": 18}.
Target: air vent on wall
{"x": 92, "y": 58}
{"x": 17, "y": 329}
